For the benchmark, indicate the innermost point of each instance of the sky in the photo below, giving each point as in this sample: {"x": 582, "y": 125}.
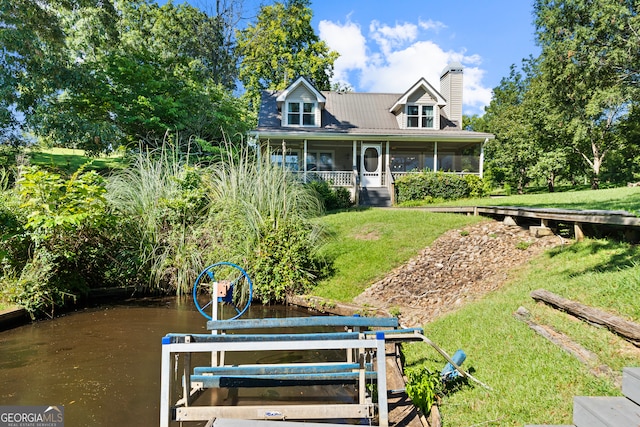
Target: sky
{"x": 388, "y": 45}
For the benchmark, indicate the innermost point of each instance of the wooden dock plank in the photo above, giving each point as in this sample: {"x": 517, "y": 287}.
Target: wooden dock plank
{"x": 631, "y": 384}
{"x": 402, "y": 411}
{"x": 605, "y": 412}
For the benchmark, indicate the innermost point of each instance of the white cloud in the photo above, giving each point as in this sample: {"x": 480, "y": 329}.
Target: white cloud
{"x": 431, "y": 25}
{"x": 393, "y": 58}
{"x": 348, "y": 40}
{"x": 392, "y": 37}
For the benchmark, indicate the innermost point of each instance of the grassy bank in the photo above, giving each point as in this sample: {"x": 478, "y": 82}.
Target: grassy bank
{"x": 533, "y": 380}
{"x": 365, "y": 244}
{"x": 69, "y": 160}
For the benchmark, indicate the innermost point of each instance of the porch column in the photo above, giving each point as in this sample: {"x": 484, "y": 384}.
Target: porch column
{"x": 387, "y": 170}
{"x": 354, "y": 166}
{"x": 284, "y": 154}
{"x": 482, "y": 157}
{"x": 304, "y": 160}
{"x": 354, "y": 174}
{"x": 435, "y": 156}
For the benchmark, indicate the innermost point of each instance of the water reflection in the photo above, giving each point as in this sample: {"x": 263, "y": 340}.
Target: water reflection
{"x": 101, "y": 364}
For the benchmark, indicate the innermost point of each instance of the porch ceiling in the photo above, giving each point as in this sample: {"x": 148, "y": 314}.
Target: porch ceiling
{"x": 371, "y": 135}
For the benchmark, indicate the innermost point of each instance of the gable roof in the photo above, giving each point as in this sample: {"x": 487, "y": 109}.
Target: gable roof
{"x": 342, "y": 111}
{"x": 420, "y": 84}
{"x": 300, "y": 81}
{"x": 366, "y": 116}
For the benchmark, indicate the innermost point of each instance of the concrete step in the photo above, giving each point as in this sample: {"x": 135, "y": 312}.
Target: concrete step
{"x": 375, "y": 196}
{"x": 631, "y": 384}
{"x": 605, "y": 412}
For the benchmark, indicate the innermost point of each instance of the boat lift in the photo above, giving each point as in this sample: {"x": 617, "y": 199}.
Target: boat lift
{"x": 362, "y": 341}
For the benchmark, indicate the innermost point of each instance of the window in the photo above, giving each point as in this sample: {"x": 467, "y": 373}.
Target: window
{"x": 301, "y": 113}
{"x": 420, "y": 116}
{"x": 291, "y": 161}
{"x": 405, "y": 162}
{"x": 320, "y": 161}
{"x": 427, "y": 116}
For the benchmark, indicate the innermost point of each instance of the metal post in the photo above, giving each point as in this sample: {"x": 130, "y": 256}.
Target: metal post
{"x": 383, "y": 407}
{"x": 165, "y": 389}
{"x": 214, "y": 317}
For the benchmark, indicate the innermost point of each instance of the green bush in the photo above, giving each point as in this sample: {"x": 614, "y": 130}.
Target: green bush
{"x": 476, "y": 186}
{"x": 432, "y": 187}
{"x": 60, "y": 241}
{"x": 332, "y": 198}
{"x": 285, "y": 262}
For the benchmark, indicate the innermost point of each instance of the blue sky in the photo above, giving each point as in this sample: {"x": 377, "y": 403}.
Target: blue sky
{"x": 387, "y": 45}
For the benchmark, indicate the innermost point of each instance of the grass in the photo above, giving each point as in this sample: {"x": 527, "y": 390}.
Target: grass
{"x": 365, "y": 244}
{"x": 69, "y": 160}
{"x": 621, "y": 198}
{"x": 533, "y": 380}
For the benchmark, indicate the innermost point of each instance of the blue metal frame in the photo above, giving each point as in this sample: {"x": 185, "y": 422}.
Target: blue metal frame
{"x": 228, "y": 296}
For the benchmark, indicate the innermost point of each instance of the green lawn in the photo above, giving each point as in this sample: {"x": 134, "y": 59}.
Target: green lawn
{"x": 69, "y": 160}
{"x": 622, "y": 198}
{"x": 533, "y": 380}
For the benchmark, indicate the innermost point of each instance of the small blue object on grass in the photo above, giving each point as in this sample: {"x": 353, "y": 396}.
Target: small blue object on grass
{"x": 449, "y": 372}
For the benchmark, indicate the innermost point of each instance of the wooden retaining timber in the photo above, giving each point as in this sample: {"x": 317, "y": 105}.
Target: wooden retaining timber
{"x": 370, "y": 357}
{"x": 585, "y": 356}
{"x": 626, "y": 329}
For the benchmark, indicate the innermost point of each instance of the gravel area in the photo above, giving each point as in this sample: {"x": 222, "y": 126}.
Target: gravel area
{"x": 460, "y": 266}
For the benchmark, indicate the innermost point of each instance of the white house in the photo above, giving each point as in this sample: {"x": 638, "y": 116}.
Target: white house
{"x": 364, "y": 141}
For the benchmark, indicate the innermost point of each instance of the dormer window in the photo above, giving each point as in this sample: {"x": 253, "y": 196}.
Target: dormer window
{"x": 420, "y": 116}
{"x": 301, "y": 113}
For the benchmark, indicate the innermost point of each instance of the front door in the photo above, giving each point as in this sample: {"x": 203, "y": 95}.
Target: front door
{"x": 371, "y": 170}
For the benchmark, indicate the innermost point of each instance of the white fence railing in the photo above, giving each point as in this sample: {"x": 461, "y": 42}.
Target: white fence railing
{"x": 335, "y": 178}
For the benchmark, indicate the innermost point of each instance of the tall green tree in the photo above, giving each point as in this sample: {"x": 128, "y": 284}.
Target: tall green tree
{"x": 281, "y": 47}
{"x": 33, "y": 59}
{"x": 591, "y": 63}
{"x": 120, "y": 75}
{"x": 512, "y": 154}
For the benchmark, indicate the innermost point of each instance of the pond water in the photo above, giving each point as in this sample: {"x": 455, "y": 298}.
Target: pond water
{"x": 102, "y": 364}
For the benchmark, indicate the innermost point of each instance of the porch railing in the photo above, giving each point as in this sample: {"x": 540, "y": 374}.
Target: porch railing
{"x": 336, "y": 178}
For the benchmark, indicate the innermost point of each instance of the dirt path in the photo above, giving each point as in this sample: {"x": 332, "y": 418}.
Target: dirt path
{"x": 460, "y": 266}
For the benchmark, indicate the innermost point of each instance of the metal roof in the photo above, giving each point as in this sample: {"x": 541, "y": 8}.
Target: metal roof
{"x": 352, "y": 114}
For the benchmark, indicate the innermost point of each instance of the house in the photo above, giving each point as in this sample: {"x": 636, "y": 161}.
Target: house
{"x": 364, "y": 141}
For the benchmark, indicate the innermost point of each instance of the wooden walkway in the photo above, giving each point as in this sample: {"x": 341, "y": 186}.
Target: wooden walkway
{"x": 551, "y": 218}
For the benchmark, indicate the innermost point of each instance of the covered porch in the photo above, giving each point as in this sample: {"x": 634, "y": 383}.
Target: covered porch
{"x": 373, "y": 163}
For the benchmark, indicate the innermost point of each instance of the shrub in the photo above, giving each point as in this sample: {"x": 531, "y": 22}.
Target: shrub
{"x": 284, "y": 262}
{"x": 331, "y": 198}
{"x": 423, "y": 387}
{"x": 62, "y": 232}
{"x": 432, "y": 187}
{"x": 476, "y": 186}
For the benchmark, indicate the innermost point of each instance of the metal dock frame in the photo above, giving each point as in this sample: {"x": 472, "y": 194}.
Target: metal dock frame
{"x": 171, "y": 344}
{"x": 356, "y": 339}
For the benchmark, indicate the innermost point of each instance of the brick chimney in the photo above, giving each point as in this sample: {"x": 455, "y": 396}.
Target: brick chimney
{"x": 451, "y": 89}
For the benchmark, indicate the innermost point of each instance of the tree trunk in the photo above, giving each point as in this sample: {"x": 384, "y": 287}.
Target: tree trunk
{"x": 597, "y": 162}
{"x": 551, "y": 182}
